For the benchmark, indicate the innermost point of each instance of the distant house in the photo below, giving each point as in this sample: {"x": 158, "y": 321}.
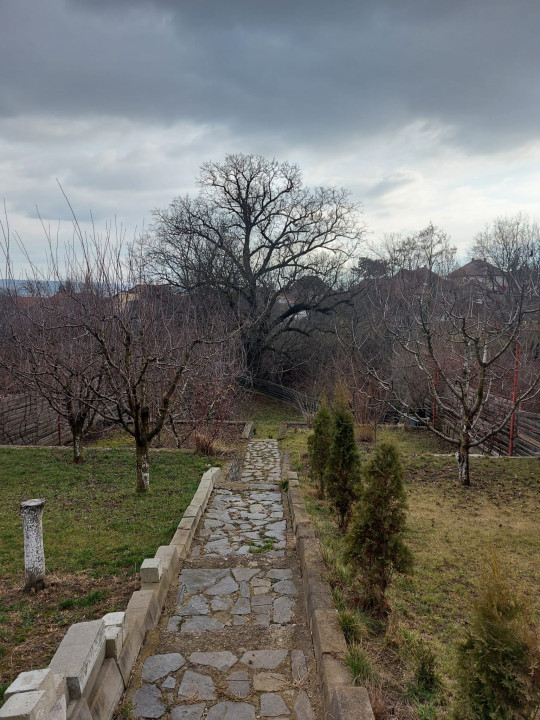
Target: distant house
{"x": 480, "y": 272}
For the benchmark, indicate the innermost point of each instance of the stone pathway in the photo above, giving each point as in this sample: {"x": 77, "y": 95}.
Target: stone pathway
{"x": 233, "y": 642}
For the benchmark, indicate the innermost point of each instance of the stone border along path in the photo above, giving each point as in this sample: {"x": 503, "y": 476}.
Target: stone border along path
{"x": 233, "y": 642}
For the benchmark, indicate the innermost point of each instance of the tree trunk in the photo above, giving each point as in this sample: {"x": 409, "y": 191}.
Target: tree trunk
{"x": 462, "y": 456}
{"x": 143, "y": 467}
{"x": 77, "y": 447}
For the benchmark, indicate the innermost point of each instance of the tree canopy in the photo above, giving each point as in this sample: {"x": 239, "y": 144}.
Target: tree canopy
{"x": 271, "y": 251}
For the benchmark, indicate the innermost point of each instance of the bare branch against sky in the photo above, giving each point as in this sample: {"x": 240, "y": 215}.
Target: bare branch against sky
{"x": 426, "y": 111}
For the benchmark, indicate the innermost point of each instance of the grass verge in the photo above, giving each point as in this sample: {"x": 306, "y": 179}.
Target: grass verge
{"x": 449, "y": 530}
{"x": 97, "y": 530}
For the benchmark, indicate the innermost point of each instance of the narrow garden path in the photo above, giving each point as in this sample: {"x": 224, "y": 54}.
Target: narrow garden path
{"x": 233, "y": 642}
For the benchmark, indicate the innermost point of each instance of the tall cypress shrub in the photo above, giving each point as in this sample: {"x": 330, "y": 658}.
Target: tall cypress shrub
{"x": 320, "y": 443}
{"x": 375, "y": 542}
{"x": 498, "y": 661}
{"x": 342, "y": 475}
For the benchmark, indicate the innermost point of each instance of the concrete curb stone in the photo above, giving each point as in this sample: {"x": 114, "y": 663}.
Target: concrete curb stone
{"x": 342, "y": 700}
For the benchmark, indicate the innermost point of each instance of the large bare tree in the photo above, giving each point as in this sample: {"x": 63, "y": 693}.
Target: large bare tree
{"x": 271, "y": 251}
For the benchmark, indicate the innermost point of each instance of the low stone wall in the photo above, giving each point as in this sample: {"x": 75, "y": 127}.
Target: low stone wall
{"x": 92, "y": 666}
{"x": 342, "y": 700}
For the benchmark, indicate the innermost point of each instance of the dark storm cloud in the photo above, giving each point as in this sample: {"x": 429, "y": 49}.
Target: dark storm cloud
{"x": 319, "y": 72}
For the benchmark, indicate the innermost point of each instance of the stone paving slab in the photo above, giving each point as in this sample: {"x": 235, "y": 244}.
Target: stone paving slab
{"x": 233, "y": 642}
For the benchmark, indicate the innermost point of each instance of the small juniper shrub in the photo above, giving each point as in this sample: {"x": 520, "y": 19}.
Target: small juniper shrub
{"x": 374, "y": 543}
{"x": 427, "y": 680}
{"x": 498, "y": 661}
{"x": 319, "y": 444}
{"x": 342, "y": 475}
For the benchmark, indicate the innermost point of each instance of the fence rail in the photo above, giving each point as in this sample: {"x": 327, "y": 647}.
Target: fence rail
{"x": 303, "y": 403}
{"x": 28, "y": 419}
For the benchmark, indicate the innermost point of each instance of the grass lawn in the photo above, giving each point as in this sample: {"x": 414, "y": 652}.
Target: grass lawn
{"x": 267, "y": 413}
{"x": 97, "y": 530}
{"x": 450, "y": 530}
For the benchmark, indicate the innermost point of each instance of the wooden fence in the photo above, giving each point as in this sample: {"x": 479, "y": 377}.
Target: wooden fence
{"x": 526, "y": 441}
{"x": 303, "y": 403}
{"x": 29, "y": 420}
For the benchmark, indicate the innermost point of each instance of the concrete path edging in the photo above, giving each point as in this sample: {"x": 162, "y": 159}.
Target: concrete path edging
{"x": 342, "y": 700}
{"x": 92, "y": 666}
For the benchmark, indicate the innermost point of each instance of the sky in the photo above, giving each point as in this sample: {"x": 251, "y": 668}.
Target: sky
{"x": 426, "y": 111}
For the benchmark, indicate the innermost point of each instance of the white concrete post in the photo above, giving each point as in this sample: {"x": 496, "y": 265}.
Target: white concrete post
{"x": 34, "y": 557}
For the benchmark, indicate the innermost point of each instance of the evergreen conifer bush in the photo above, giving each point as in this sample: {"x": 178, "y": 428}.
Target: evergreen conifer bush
{"x": 374, "y": 543}
{"x": 498, "y": 662}
{"x": 342, "y": 474}
{"x": 319, "y": 444}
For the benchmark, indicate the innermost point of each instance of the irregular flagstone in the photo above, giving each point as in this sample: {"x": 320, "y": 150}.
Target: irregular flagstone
{"x": 281, "y": 574}
{"x": 188, "y": 712}
{"x": 299, "y": 667}
{"x": 169, "y": 683}
{"x": 221, "y": 603}
{"x": 273, "y": 705}
{"x": 224, "y": 587}
{"x": 264, "y": 659}
{"x": 241, "y": 607}
{"x": 231, "y": 711}
{"x": 302, "y": 707}
{"x": 239, "y": 683}
{"x": 196, "y": 605}
{"x": 285, "y": 587}
{"x": 283, "y": 610}
{"x": 219, "y": 660}
{"x": 147, "y": 701}
{"x": 157, "y": 666}
{"x": 200, "y": 622}
{"x": 197, "y": 578}
{"x": 269, "y": 682}
{"x": 197, "y": 686}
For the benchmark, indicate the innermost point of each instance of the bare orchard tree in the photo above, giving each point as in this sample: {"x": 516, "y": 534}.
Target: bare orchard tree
{"x": 51, "y": 353}
{"x": 270, "y": 251}
{"x": 453, "y": 345}
{"x": 145, "y": 336}
{"x": 45, "y": 347}
{"x": 209, "y": 394}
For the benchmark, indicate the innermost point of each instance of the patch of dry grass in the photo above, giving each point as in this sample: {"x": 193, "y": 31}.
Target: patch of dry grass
{"x": 450, "y": 530}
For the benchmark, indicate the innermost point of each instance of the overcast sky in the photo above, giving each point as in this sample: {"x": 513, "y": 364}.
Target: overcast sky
{"x": 426, "y": 110}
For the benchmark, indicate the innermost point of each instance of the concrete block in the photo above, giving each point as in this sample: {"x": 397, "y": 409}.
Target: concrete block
{"x": 107, "y": 691}
{"x": 319, "y": 597}
{"x": 168, "y": 554}
{"x": 30, "y": 681}
{"x": 31, "y": 705}
{"x": 143, "y": 610}
{"x": 160, "y": 590}
{"x": 151, "y": 570}
{"x": 79, "y": 710}
{"x": 116, "y": 619}
{"x": 327, "y": 634}
{"x": 130, "y": 651}
{"x": 114, "y": 641}
{"x": 333, "y": 674}
{"x": 351, "y": 703}
{"x": 58, "y": 710}
{"x": 247, "y": 432}
{"x": 80, "y": 655}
